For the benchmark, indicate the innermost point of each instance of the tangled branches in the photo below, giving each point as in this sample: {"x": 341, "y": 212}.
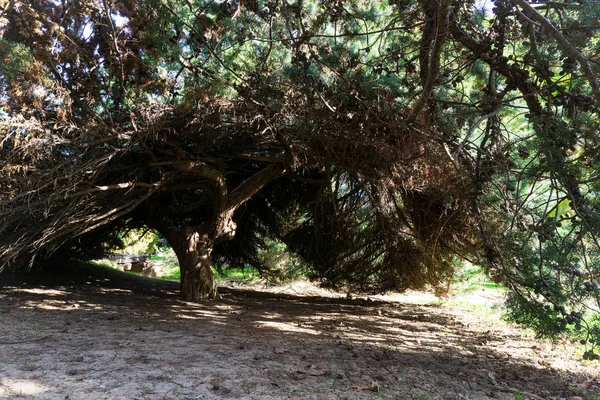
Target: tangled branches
{"x": 380, "y": 142}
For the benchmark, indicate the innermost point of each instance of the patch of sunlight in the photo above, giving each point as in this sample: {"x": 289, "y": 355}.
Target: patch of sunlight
{"x": 282, "y": 326}
{"x": 115, "y": 290}
{"x": 198, "y": 314}
{"x": 46, "y": 292}
{"x": 327, "y": 316}
{"x": 21, "y": 387}
{"x": 362, "y": 336}
{"x": 227, "y": 308}
{"x": 62, "y": 305}
{"x": 410, "y": 296}
{"x": 271, "y": 315}
{"x": 200, "y": 308}
{"x": 183, "y": 316}
{"x": 51, "y": 305}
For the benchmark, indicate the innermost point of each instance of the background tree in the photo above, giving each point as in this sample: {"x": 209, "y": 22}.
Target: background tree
{"x": 381, "y": 142}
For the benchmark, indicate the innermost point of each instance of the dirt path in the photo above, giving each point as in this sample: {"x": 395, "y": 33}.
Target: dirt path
{"x": 97, "y": 335}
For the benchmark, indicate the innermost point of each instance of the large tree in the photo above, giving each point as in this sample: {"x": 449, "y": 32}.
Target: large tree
{"x": 381, "y": 142}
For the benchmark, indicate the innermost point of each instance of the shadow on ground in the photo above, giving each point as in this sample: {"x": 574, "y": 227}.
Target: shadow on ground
{"x": 87, "y": 332}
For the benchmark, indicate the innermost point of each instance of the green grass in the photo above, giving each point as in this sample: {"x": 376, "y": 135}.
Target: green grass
{"x": 470, "y": 278}
{"x": 238, "y": 274}
{"x": 221, "y": 275}
{"x": 162, "y": 258}
{"x": 487, "y": 311}
{"x": 171, "y": 272}
{"x": 110, "y": 264}
{"x": 103, "y": 263}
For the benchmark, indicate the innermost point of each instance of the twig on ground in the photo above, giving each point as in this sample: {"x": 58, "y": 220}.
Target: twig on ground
{"x": 27, "y": 340}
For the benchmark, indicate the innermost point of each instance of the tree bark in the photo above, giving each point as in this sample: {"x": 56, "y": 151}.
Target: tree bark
{"x": 194, "y": 244}
{"x": 193, "y": 251}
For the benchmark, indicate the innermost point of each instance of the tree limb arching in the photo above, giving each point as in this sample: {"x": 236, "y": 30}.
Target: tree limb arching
{"x": 252, "y": 185}
{"x": 431, "y": 61}
{"x": 567, "y": 47}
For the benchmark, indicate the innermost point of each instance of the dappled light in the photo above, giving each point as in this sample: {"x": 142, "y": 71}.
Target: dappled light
{"x": 193, "y": 311}
{"x": 273, "y": 199}
{"x": 126, "y": 337}
{"x": 20, "y": 387}
{"x": 370, "y": 145}
{"x": 287, "y": 327}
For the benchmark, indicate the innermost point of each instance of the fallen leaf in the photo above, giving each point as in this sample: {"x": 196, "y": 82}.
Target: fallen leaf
{"x": 359, "y": 387}
{"x": 373, "y": 387}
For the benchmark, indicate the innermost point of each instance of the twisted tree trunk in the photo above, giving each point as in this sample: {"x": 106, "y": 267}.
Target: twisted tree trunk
{"x": 193, "y": 251}
{"x": 194, "y": 244}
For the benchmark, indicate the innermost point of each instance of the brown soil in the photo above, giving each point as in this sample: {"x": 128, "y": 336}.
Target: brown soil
{"x": 93, "y": 333}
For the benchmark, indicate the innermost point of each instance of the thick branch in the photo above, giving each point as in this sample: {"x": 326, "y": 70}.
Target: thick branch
{"x": 250, "y": 186}
{"x": 515, "y": 76}
{"x": 213, "y": 175}
{"x": 431, "y": 60}
{"x": 567, "y": 47}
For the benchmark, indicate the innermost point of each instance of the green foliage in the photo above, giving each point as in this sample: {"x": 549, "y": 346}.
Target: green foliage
{"x": 164, "y": 251}
{"x": 533, "y": 313}
{"x": 405, "y": 134}
{"x": 279, "y": 265}
{"x": 137, "y": 241}
{"x": 15, "y": 59}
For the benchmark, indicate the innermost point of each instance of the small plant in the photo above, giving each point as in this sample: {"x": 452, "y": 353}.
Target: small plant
{"x": 34, "y": 321}
{"x": 336, "y": 381}
{"x": 29, "y": 366}
{"x": 300, "y": 392}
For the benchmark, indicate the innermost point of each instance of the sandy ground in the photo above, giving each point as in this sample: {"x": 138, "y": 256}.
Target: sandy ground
{"x": 93, "y": 333}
